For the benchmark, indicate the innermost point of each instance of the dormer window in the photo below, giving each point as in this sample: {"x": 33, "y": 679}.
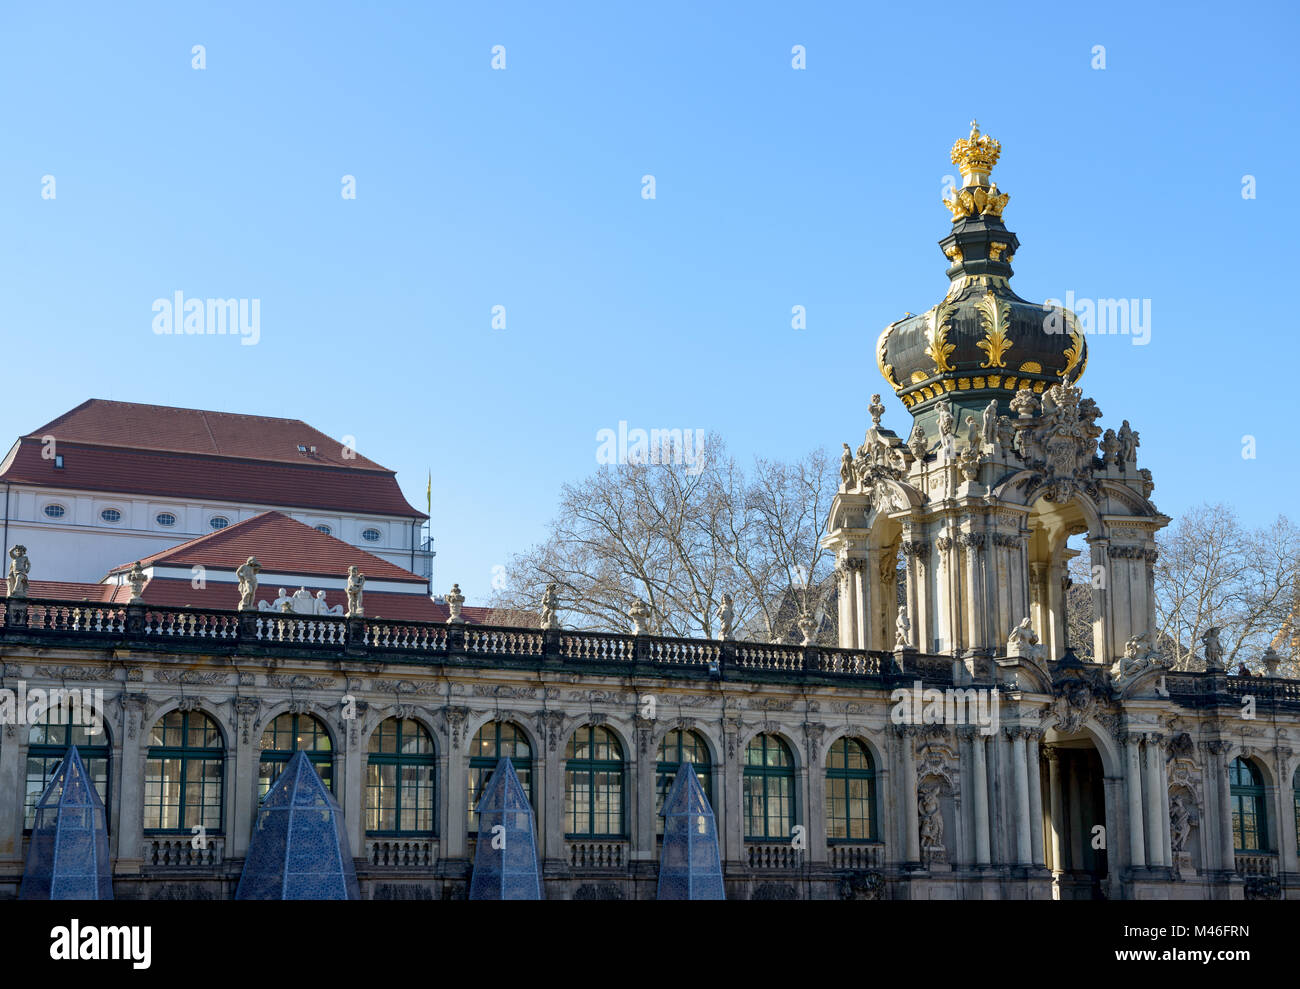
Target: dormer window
{"x": 58, "y": 461}
{"x": 301, "y": 448}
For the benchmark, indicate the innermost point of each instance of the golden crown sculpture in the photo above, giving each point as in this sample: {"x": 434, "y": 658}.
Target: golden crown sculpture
{"x": 976, "y": 155}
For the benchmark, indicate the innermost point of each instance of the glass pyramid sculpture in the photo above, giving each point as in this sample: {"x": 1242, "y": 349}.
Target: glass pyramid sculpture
{"x": 690, "y": 866}
{"x": 299, "y": 849}
{"x": 505, "y": 863}
{"x": 68, "y": 855}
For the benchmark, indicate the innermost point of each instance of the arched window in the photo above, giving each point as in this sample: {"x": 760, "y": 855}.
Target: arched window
{"x": 1249, "y": 823}
{"x": 769, "y": 790}
{"x": 183, "y": 774}
{"x": 400, "y": 777}
{"x": 47, "y": 744}
{"x": 495, "y": 740}
{"x": 677, "y": 747}
{"x": 850, "y": 792}
{"x": 593, "y": 784}
{"x": 286, "y": 735}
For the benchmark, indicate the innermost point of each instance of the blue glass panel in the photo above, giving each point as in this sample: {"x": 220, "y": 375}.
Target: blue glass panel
{"x": 690, "y": 864}
{"x": 505, "y": 863}
{"x": 68, "y": 855}
{"x": 299, "y": 848}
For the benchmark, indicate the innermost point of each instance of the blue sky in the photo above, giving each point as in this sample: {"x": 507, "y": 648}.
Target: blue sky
{"x": 522, "y": 188}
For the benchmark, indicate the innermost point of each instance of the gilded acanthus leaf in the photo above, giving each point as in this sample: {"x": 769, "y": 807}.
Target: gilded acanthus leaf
{"x": 886, "y": 369}
{"x": 1074, "y": 352}
{"x": 939, "y": 348}
{"x": 996, "y": 343}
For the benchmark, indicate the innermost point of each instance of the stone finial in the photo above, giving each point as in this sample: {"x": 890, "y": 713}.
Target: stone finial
{"x": 725, "y": 613}
{"x": 136, "y": 578}
{"x": 247, "y": 573}
{"x": 356, "y": 581}
{"x": 640, "y": 615}
{"x": 19, "y": 567}
{"x": 1024, "y": 404}
{"x": 454, "y": 600}
{"x": 1271, "y": 661}
{"x": 550, "y": 607}
{"x": 876, "y": 410}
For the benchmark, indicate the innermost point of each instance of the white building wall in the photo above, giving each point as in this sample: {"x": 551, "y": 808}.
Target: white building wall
{"x": 82, "y": 546}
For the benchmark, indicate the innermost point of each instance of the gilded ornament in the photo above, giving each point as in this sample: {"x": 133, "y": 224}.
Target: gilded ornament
{"x": 939, "y": 348}
{"x": 886, "y": 369}
{"x": 1074, "y": 352}
{"x": 996, "y": 343}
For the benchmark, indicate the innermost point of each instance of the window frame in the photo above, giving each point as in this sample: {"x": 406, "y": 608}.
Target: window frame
{"x": 666, "y": 771}
{"x": 767, "y": 773}
{"x": 56, "y": 752}
{"x": 1254, "y": 791}
{"x": 317, "y": 757}
{"x": 61, "y": 514}
{"x": 843, "y": 776}
{"x": 421, "y": 760}
{"x": 483, "y": 765}
{"x": 590, "y": 767}
{"x": 187, "y": 753}
{"x": 158, "y": 520}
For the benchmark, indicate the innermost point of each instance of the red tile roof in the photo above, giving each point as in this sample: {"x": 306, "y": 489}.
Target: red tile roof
{"x": 156, "y": 451}
{"x": 99, "y": 422}
{"x": 58, "y": 590}
{"x": 282, "y": 545}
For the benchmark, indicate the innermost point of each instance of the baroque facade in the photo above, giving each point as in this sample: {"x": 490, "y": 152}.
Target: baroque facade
{"x": 953, "y": 748}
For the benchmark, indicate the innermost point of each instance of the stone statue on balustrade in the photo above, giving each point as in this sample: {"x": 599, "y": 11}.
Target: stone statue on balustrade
{"x": 1213, "y": 650}
{"x": 246, "y": 574}
{"x": 19, "y": 567}
{"x": 726, "y": 613}
{"x": 136, "y": 578}
{"x": 551, "y": 607}
{"x": 356, "y": 581}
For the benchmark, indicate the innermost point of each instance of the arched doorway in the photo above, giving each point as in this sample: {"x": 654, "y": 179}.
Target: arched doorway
{"x": 1075, "y": 827}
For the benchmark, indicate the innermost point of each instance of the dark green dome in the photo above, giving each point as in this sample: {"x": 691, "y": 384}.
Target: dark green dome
{"x": 982, "y": 341}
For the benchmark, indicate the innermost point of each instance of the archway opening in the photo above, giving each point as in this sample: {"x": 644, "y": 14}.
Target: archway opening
{"x": 1075, "y": 829}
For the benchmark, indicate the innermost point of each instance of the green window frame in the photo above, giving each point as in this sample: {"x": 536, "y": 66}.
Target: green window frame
{"x": 769, "y": 790}
{"x": 401, "y": 779}
{"x": 678, "y": 746}
{"x": 1295, "y": 795}
{"x": 495, "y": 740}
{"x": 290, "y": 733}
{"x": 184, "y": 775}
{"x": 594, "y": 784}
{"x": 1249, "y": 814}
{"x": 850, "y": 792}
{"x": 47, "y": 744}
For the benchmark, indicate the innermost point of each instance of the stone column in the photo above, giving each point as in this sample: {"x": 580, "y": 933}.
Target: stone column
{"x": 243, "y": 774}
{"x": 1157, "y": 816}
{"x": 1133, "y": 783}
{"x": 845, "y": 586}
{"x": 732, "y": 828}
{"x": 128, "y": 794}
{"x": 1227, "y": 848}
{"x": 1077, "y": 831}
{"x": 645, "y": 843}
{"x": 1035, "y": 795}
{"x": 455, "y": 832}
{"x": 11, "y": 796}
{"x": 1054, "y": 784}
{"x": 856, "y": 615}
{"x": 814, "y": 790}
{"x": 1020, "y": 776}
{"x": 973, "y": 596}
{"x": 979, "y": 796}
{"x": 911, "y": 816}
{"x": 551, "y": 785}
{"x": 349, "y": 766}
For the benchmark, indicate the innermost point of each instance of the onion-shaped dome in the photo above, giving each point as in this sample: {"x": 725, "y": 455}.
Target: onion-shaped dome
{"x": 982, "y": 341}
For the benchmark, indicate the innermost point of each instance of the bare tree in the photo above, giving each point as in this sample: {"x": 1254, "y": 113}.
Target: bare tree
{"x": 679, "y": 537}
{"x": 1214, "y": 572}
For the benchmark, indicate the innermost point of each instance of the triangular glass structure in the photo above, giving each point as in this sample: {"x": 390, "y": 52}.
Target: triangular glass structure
{"x": 299, "y": 849}
{"x": 505, "y": 863}
{"x": 68, "y": 855}
{"x": 690, "y": 865}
